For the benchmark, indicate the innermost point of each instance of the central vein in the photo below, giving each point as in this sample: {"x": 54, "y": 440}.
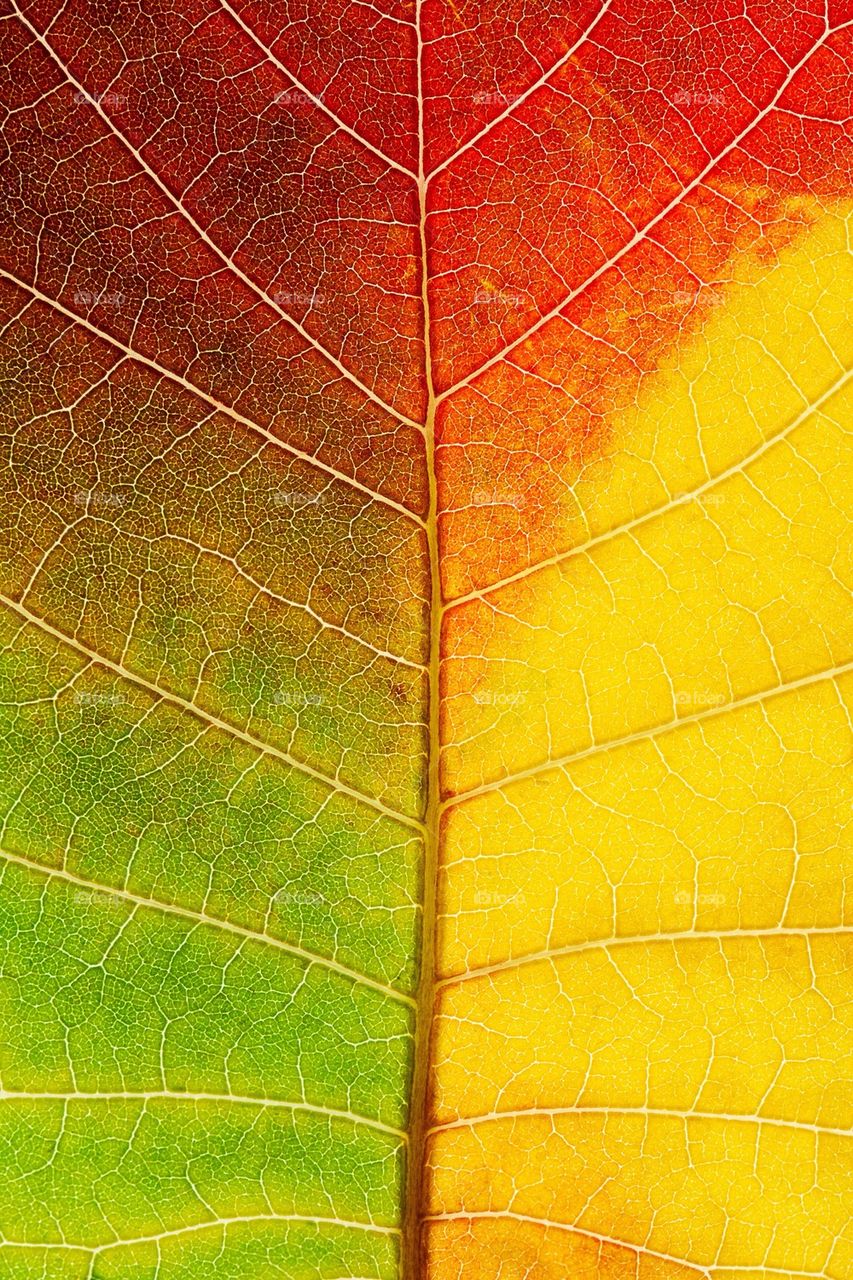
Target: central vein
{"x": 412, "y": 1246}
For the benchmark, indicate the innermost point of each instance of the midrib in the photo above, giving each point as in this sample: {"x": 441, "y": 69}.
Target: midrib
{"x": 412, "y": 1255}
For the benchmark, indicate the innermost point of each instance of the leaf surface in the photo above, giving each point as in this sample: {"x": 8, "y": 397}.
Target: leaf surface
{"x": 426, "y": 654}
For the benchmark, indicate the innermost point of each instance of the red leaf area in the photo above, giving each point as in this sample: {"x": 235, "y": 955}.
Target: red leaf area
{"x": 246, "y": 177}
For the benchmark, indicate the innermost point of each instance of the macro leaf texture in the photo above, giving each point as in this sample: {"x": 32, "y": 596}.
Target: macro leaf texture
{"x": 427, "y": 644}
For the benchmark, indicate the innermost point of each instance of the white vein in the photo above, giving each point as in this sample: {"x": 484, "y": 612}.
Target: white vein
{"x": 199, "y": 394}
{"x": 608, "y": 535}
{"x": 224, "y": 725}
{"x": 644, "y": 735}
{"x": 552, "y": 954}
{"x": 223, "y": 257}
{"x": 202, "y": 918}
{"x": 644, "y": 231}
{"x": 533, "y": 1113}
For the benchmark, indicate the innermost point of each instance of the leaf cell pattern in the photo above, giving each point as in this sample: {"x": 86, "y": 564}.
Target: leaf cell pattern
{"x": 427, "y": 652}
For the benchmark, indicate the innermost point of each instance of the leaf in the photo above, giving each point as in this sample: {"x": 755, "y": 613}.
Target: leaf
{"x": 426, "y": 656}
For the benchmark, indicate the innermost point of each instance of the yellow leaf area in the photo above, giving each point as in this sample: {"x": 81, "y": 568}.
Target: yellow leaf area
{"x": 643, "y": 1054}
